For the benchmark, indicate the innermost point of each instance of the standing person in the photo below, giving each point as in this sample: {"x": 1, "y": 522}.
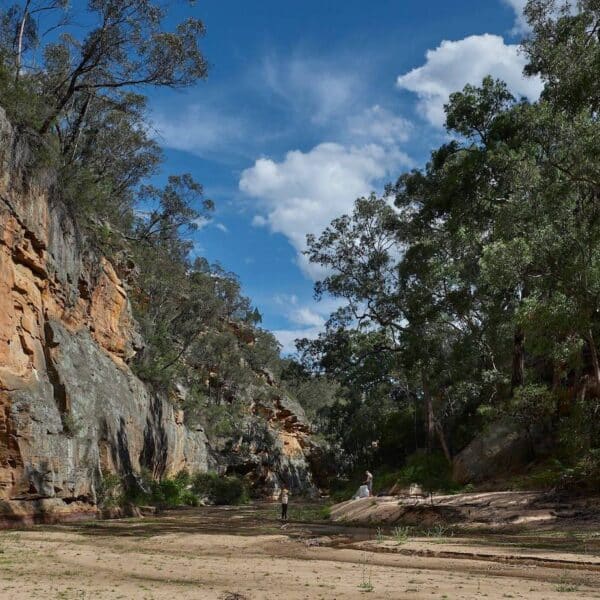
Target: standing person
{"x": 369, "y": 482}
{"x": 284, "y": 496}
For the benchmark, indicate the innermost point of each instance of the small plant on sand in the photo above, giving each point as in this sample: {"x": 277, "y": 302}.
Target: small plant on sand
{"x": 439, "y": 531}
{"x": 566, "y": 586}
{"x": 379, "y": 537}
{"x": 366, "y": 585}
{"x": 401, "y": 534}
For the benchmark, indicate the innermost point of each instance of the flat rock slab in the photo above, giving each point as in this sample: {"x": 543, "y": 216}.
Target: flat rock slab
{"x": 490, "y": 509}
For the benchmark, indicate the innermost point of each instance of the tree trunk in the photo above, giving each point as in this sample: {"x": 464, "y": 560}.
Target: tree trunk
{"x": 20, "y": 40}
{"x": 518, "y": 362}
{"x": 594, "y": 355}
{"x": 430, "y": 415}
{"x": 443, "y": 442}
{"x": 43, "y": 130}
{"x": 556, "y": 372}
{"x": 71, "y": 146}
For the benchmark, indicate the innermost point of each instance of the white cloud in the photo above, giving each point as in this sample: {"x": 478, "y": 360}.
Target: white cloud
{"x": 259, "y": 221}
{"x": 311, "y": 86}
{"x": 521, "y": 25}
{"x": 307, "y": 317}
{"x": 285, "y": 299}
{"x": 452, "y": 65}
{"x": 377, "y": 124}
{"x": 202, "y": 222}
{"x": 305, "y": 321}
{"x": 222, "y": 227}
{"x": 199, "y": 129}
{"x": 306, "y": 190}
{"x": 287, "y": 337}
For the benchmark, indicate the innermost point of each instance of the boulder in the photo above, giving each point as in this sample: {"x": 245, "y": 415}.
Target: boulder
{"x": 503, "y": 448}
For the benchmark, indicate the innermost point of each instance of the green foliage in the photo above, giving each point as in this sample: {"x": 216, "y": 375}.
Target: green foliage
{"x": 385, "y": 479}
{"x": 401, "y": 534}
{"x": 220, "y": 489}
{"x": 476, "y": 295}
{"x": 325, "y": 512}
{"x": 221, "y": 420}
{"x": 431, "y": 471}
{"x": 544, "y": 476}
{"x": 110, "y": 491}
{"x": 532, "y": 404}
{"x": 71, "y": 425}
{"x": 173, "y": 492}
{"x": 584, "y": 474}
{"x": 316, "y": 393}
{"x": 167, "y": 492}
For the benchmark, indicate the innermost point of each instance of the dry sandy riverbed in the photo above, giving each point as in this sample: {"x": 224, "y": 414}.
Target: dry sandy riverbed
{"x": 243, "y": 553}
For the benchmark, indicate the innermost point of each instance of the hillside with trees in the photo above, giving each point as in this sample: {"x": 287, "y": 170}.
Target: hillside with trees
{"x": 79, "y": 99}
{"x": 471, "y": 287}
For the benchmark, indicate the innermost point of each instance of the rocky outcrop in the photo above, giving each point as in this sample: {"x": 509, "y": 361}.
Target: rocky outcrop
{"x": 71, "y": 410}
{"x": 273, "y": 445}
{"x": 504, "y": 448}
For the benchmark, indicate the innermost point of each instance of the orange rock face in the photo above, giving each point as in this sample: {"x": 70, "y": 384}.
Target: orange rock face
{"x": 30, "y": 293}
{"x": 42, "y": 278}
{"x": 110, "y": 315}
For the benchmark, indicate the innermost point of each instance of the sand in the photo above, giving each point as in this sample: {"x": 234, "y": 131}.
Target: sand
{"x": 212, "y": 553}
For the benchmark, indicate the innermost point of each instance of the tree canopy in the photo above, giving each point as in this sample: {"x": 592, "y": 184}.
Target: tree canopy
{"x": 471, "y": 286}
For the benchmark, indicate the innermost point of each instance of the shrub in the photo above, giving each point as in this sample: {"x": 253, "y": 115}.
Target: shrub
{"x": 230, "y": 490}
{"x": 110, "y": 491}
{"x": 220, "y": 490}
{"x": 203, "y": 484}
{"x": 71, "y": 426}
{"x": 385, "y": 479}
{"x": 168, "y": 492}
{"x": 584, "y": 474}
{"x": 431, "y": 471}
{"x": 342, "y": 490}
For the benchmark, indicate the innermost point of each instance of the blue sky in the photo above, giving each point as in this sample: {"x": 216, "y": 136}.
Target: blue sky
{"x": 311, "y": 104}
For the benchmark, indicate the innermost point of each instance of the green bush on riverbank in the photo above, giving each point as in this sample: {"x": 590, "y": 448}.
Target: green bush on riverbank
{"x": 220, "y": 490}
{"x": 180, "y": 490}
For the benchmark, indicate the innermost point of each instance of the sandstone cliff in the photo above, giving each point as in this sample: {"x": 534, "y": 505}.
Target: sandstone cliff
{"x": 71, "y": 410}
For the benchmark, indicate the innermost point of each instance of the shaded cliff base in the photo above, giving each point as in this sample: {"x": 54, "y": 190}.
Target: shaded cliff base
{"x": 19, "y": 513}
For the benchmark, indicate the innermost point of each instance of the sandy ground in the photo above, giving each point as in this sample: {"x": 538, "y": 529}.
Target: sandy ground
{"x": 234, "y": 554}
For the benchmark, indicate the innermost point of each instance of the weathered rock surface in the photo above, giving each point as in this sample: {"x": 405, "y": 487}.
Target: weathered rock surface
{"x": 71, "y": 410}
{"x": 486, "y": 509}
{"x": 502, "y": 449}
